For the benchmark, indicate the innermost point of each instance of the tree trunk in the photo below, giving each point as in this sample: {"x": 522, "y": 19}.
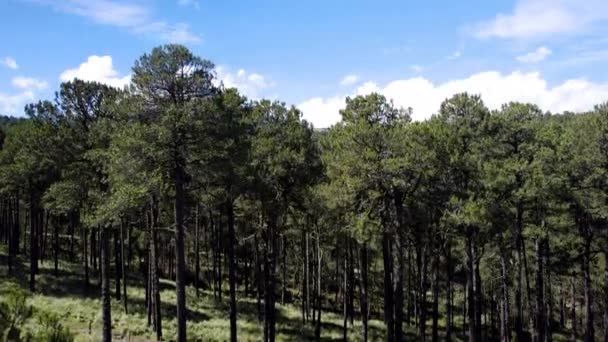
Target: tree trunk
{"x": 540, "y": 300}
{"x": 471, "y": 281}
{"x": 606, "y": 291}
{"x": 307, "y": 276}
{"x": 345, "y": 298}
{"x": 258, "y": 278}
{"x": 197, "y": 264}
{"x": 154, "y": 260}
{"x": 180, "y": 277}
{"x": 304, "y": 274}
{"x": 388, "y": 287}
{"x": 231, "y": 269}
{"x": 422, "y": 287}
{"x": 363, "y": 290}
{"x": 117, "y": 261}
{"x": 449, "y": 294}
{"x": 589, "y": 328}
{"x": 105, "y": 286}
{"x": 33, "y": 241}
{"x": 319, "y": 298}
{"x": 269, "y": 277}
{"x": 122, "y": 265}
{"x": 56, "y": 249}
{"x": 505, "y": 328}
{"x": 478, "y": 296}
{"x": 435, "y": 334}
{"x": 573, "y": 306}
{"x": 399, "y": 301}
{"x": 283, "y": 268}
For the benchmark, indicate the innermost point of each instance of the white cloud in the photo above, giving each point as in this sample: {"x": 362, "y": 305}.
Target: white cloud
{"x": 99, "y": 69}
{"x": 322, "y": 112}
{"x": 9, "y": 62}
{"x": 29, "y": 83}
{"x": 250, "y": 84}
{"x": 495, "y": 88}
{"x": 535, "y": 56}
{"x": 349, "y": 80}
{"x": 533, "y": 18}
{"x": 126, "y": 14}
{"x": 12, "y": 104}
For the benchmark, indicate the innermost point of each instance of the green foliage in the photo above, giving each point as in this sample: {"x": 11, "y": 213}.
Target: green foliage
{"x": 14, "y": 311}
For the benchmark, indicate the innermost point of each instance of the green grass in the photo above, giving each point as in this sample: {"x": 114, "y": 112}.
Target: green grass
{"x": 80, "y": 309}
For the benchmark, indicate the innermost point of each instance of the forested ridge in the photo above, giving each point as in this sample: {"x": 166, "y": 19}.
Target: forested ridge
{"x": 177, "y": 209}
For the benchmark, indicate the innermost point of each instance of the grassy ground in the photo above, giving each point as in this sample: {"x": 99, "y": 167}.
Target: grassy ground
{"x": 80, "y": 309}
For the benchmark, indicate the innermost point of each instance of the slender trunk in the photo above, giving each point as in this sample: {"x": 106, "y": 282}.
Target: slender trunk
{"x": 197, "y": 265}
{"x": 548, "y": 293}
{"x": 33, "y": 241}
{"x": 505, "y": 328}
{"x": 304, "y": 274}
{"x": 269, "y": 275}
{"x": 589, "y": 328}
{"x": 606, "y": 291}
{"x": 573, "y": 305}
{"x": 56, "y": 249}
{"x": 363, "y": 290}
{"x": 435, "y": 334}
{"x": 283, "y": 268}
{"x": 351, "y": 281}
{"x": 345, "y": 298}
{"x": 319, "y": 298}
{"x": 399, "y": 301}
{"x": 388, "y": 287}
{"x": 180, "y": 280}
{"x": 154, "y": 260}
{"x": 422, "y": 287}
{"x": 122, "y": 265}
{"x": 231, "y": 269}
{"x": 105, "y": 286}
{"x": 449, "y": 289}
{"x": 478, "y": 297}
{"x": 540, "y": 300}
{"x": 117, "y": 261}
{"x": 85, "y": 258}
{"x": 307, "y": 276}
{"x": 471, "y": 287}
{"x": 258, "y": 277}
{"x": 562, "y": 309}
{"x": 519, "y": 330}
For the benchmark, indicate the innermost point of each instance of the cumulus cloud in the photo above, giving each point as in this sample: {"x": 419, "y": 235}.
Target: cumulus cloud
{"x": 13, "y": 103}
{"x": 99, "y": 69}
{"x": 130, "y": 15}
{"x": 535, "y": 56}
{"x": 425, "y": 97}
{"x": 250, "y": 84}
{"x": 349, "y": 80}
{"x": 9, "y": 62}
{"x": 29, "y": 83}
{"x": 533, "y": 18}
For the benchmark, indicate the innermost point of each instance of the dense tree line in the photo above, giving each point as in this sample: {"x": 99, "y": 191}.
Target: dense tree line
{"x": 489, "y": 225}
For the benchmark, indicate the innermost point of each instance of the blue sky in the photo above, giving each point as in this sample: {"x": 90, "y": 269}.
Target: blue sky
{"x": 315, "y": 53}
